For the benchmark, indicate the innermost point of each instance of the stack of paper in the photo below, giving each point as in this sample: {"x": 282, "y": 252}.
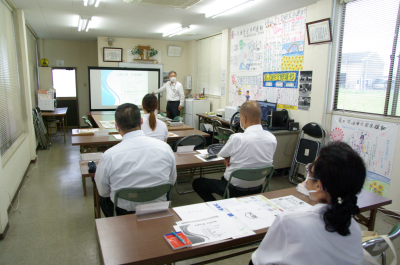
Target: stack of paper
{"x": 108, "y": 124}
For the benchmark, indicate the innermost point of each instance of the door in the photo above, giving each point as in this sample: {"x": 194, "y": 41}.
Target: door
{"x": 64, "y": 82}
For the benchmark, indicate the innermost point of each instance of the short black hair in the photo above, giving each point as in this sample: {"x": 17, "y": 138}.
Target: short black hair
{"x": 127, "y": 116}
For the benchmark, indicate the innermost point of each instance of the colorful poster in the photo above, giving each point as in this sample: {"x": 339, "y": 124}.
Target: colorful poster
{"x": 281, "y": 79}
{"x": 281, "y": 87}
{"x": 246, "y": 47}
{"x": 244, "y": 87}
{"x": 284, "y": 41}
{"x": 375, "y": 142}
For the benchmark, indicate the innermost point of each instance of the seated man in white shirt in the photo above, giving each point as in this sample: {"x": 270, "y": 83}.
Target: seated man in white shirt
{"x": 132, "y": 163}
{"x": 252, "y": 149}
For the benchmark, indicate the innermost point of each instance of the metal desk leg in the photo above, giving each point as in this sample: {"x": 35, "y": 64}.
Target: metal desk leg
{"x": 372, "y": 218}
{"x": 84, "y": 186}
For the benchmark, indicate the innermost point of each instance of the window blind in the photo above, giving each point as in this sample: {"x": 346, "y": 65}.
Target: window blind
{"x": 11, "y": 123}
{"x": 366, "y": 58}
{"x": 33, "y": 65}
{"x": 208, "y": 70}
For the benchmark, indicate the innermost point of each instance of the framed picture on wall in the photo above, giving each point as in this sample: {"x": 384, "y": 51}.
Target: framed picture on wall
{"x": 112, "y": 54}
{"x": 319, "y": 31}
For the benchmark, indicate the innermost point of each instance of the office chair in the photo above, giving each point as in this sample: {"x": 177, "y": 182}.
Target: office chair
{"x": 307, "y": 149}
{"x": 142, "y": 194}
{"x": 250, "y": 174}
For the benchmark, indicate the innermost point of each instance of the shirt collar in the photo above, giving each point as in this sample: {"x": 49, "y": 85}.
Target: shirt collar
{"x": 256, "y": 127}
{"x": 318, "y": 208}
{"x": 133, "y": 134}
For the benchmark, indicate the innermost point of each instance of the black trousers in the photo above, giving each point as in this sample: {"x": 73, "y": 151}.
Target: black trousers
{"x": 107, "y": 206}
{"x": 172, "y": 109}
{"x": 205, "y": 187}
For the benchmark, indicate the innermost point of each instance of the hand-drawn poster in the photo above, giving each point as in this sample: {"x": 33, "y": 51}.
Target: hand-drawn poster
{"x": 244, "y": 87}
{"x": 375, "y": 142}
{"x": 305, "y": 90}
{"x": 284, "y": 41}
{"x": 246, "y": 47}
{"x": 281, "y": 87}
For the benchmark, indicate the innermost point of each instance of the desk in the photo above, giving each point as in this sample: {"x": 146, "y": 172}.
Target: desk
{"x": 124, "y": 240}
{"x": 109, "y": 117}
{"x": 90, "y": 140}
{"x": 58, "y": 112}
{"x": 96, "y": 197}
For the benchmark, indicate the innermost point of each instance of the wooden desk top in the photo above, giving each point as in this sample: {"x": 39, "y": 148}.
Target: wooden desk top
{"x": 109, "y": 140}
{"x": 190, "y": 161}
{"x": 56, "y": 112}
{"x": 124, "y": 240}
{"x": 179, "y": 128}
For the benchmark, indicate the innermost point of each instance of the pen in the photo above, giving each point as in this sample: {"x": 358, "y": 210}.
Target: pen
{"x": 178, "y": 237}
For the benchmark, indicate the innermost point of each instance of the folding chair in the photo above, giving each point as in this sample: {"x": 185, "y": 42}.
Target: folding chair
{"x": 142, "y": 194}
{"x": 225, "y": 134}
{"x": 215, "y": 134}
{"x": 307, "y": 149}
{"x": 377, "y": 247}
{"x": 250, "y": 174}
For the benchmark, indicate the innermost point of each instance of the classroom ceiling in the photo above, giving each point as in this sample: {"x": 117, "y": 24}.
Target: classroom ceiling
{"x": 58, "y": 19}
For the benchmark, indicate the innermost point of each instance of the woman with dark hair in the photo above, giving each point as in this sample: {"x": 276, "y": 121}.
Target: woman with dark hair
{"x": 326, "y": 233}
{"x": 151, "y": 126}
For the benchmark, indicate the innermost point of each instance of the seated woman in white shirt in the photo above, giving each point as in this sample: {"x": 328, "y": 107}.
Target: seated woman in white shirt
{"x": 326, "y": 233}
{"x": 152, "y": 126}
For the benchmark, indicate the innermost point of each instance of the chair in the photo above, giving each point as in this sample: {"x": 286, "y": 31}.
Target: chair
{"x": 178, "y": 118}
{"x": 88, "y": 123}
{"x": 378, "y": 246}
{"x": 307, "y": 149}
{"x": 199, "y": 142}
{"x": 225, "y": 134}
{"x": 163, "y": 114}
{"x": 215, "y": 134}
{"x": 250, "y": 174}
{"x": 142, "y": 194}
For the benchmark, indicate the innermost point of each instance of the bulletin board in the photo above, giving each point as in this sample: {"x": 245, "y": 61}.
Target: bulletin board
{"x": 270, "y": 47}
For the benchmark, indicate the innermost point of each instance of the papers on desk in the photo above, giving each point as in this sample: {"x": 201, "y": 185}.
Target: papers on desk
{"x": 87, "y": 131}
{"x": 117, "y": 136}
{"x": 170, "y": 134}
{"x": 194, "y": 212}
{"x": 203, "y": 151}
{"x": 201, "y": 157}
{"x": 108, "y": 124}
{"x": 291, "y": 204}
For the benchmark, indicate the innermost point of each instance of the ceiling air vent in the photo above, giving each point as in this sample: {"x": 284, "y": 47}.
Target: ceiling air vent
{"x": 182, "y": 4}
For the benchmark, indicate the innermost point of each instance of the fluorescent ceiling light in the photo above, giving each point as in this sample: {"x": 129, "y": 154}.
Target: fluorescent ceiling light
{"x": 91, "y": 2}
{"x": 215, "y": 11}
{"x": 83, "y": 23}
{"x": 176, "y": 31}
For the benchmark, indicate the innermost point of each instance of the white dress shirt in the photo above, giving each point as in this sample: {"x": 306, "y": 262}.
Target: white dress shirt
{"x": 300, "y": 238}
{"x": 174, "y": 92}
{"x": 160, "y": 132}
{"x": 136, "y": 162}
{"x": 251, "y": 149}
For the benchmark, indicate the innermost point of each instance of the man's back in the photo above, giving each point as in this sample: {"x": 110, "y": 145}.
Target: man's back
{"x": 253, "y": 148}
{"x": 137, "y": 162}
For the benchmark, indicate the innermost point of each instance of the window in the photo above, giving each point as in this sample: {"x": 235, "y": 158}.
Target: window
{"x": 11, "y": 124}
{"x": 367, "y": 57}
{"x": 208, "y": 71}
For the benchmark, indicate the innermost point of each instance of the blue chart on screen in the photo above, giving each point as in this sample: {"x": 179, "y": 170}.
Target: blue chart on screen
{"x": 108, "y": 96}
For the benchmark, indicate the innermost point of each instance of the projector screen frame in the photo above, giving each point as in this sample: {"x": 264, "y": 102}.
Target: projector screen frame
{"x": 122, "y": 69}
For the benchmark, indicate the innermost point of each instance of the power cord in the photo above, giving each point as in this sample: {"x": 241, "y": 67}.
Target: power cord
{"x": 287, "y": 146}
{"x": 26, "y": 182}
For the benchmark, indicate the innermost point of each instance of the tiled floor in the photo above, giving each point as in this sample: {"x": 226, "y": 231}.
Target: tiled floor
{"x": 54, "y": 222}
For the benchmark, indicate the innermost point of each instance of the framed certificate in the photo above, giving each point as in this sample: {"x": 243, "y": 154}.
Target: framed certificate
{"x": 319, "y": 31}
{"x": 112, "y": 54}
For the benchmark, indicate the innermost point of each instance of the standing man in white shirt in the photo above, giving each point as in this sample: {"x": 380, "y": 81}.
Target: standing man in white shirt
{"x": 131, "y": 163}
{"x": 175, "y": 95}
{"x": 252, "y": 149}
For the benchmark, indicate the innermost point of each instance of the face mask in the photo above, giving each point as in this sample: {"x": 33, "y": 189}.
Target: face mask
{"x": 173, "y": 79}
{"x": 310, "y": 192}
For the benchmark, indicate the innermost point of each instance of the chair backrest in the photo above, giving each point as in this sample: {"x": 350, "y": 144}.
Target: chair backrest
{"x": 216, "y": 124}
{"x": 250, "y": 174}
{"x": 178, "y": 118}
{"x": 84, "y": 118}
{"x": 314, "y": 130}
{"x": 142, "y": 194}
{"x": 88, "y": 123}
{"x": 371, "y": 245}
{"x": 163, "y": 114}
{"x": 225, "y": 133}
{"x": 198, "y": 141}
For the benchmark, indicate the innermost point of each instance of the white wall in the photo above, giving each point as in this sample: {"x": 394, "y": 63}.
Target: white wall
{"x": 15, "y": 162}
{"x": 178, "y": 64}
